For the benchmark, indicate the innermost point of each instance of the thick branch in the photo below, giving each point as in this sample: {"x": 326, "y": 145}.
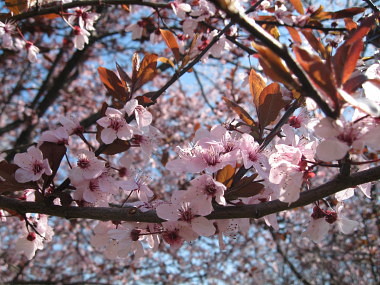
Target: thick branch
{"x": 230, "y": 212}
{"x": 57, "y": 9}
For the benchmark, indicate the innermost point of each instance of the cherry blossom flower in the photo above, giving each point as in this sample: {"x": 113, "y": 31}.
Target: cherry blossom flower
{"x": 188, "y": 213}
{"x": 252, "y": 156}
{"x": 137, "y": 31}
{"x": 32, "y": 165}
{"x": 203, "y": 189}
{"x": 115, "y": 126}
{"x": 32, "y": 51}
{"x": 58, "y": 136}
{"x": 180, "y": 9}
{"x": 80, "y": 37}
{"x": 175, "y": 234}
{"x": 128, "y": 236}
{"x": 85, "y": 18}
{"x": 88, "y": 167}
{"x": 143, "y": 116}
{"x": 6, "y": 31}
{"x": 31, "y": 241}
{"x": 138, "y": 186}
{"x": 71, "y": 125}
{"x": 340, "y": 136}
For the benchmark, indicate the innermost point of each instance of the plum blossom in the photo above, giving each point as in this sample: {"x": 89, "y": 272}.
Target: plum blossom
{"x": 85, "y": 18}
{"x": 31, "y": 240}
{"x": 6, "y": 31}
{"x": 252, "y": 156}
{"x": 80, "y": 37}
{"x": 321, "y": 221}
{"x": 175, "y": 234}
{"x": 180, "y": 9}
{"x": 58, "y": 136}
{"x": 32, "y": 51}
{"x": 71, "y": 125}
{"x": 32, "y": 165}
{"x": 88, "y": 167}
{"x": 115, "y": 126}
{"x": 139, "y": 186}
{"x": 340, "y": 136}
{"x": 128, "y": 237}
{"x": 203, "y": 189}
{"x": 187, "y": 213}
{"x": 287, "y": 171}
{"x": 143, "y": 116}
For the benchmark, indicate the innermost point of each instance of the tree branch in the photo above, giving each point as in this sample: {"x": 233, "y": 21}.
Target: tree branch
{"x": 230, "y": 212}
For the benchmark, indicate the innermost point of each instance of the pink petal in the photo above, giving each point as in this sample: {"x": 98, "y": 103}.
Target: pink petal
{"x": 330, "y": 150}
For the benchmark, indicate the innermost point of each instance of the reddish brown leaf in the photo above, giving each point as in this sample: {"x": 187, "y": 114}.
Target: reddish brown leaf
{"x": 113, "y": 84}
{"x": 118, "y": 146}
{"x": 344, "y": 60}
{"x": 146, "y": 71}
{"x": 315, "y": 43}
{"x": 297, "y": 4}
{"x": 135, "y": 66}
{"x": 256, "y": 85}
{"x": 8, "y": 182}
{"x": 350, "y": 24}
{"x": 246, "y": 187}
{"x": 54, "y": 153}
{"x": 295, "y": 35}
{"x": 123, "y": 75}
{"x": 16, "y": 6}
{"x": 243, "y": 115}
{"x": 274, "y": 66}
{"x": 347, "y": 13}
{"x": 226, "y": 175}
{"x": 319, "y": 72}
{"x": 171, "y": 42}
{"x": 272, "y": 30}
{"x": 270, "y": 104}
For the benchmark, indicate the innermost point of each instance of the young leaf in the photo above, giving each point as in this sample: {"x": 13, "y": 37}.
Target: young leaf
{"x": 146, "y": 72}
{"x": 171, "y": 42}
{"x": 243, "y": 115}
{"x": 270, "y": 104}
{"x": 319, "y": 72}
{"x": 297, "y": 4}
{"x": 226, "y": 175}
{"x": 294, "y": 34}
{"x": 113, "y": 84}
{"x": 256, "y": 85}
{"x": 16, "y": 6}
{"x": 274, "y": 66}
{"x": 315, "y": 43}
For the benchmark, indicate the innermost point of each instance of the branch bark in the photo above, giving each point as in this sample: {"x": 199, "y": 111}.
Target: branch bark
{"x": 229, "y": 212}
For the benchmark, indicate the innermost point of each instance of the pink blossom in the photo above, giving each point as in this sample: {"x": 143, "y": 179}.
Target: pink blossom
{"x": 6, "y": 31}
{"x": 252, "y": 156}
{"x": 58, "y": 136}
{"x": 188, "y": 213}
{"x": 114, "y": 126}
{"x": 339, "y": 136}
{"x": 128, "y": 236}
{"x": 180, "y": 9}
{"x": 143, "y": 116}
{"x": 71, "y": 125}
{"x": 202, "y": 190}
{"x": 32, "y": 165}
{"x": 88, "y": 167}
{"x": 32, "y": 51}
{"x": 138, "y": 186}
{"x": 85, "y": 17}
{"x": 80, "y": 37}
{"x": 176, "y": 233}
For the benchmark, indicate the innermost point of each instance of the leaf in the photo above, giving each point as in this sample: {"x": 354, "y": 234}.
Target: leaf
{"x": 118, "y": 146}
{"x": 54, "y": 153}
{"x": 350, "y": 24}
{"x": 294, "y": 34}
{"x": 270, "y": 104}
{"x": 243, "y": 115}
{"x": 256, "y": 85}
{"x": 246, "y": 187}
{"x": 113, "y": 84}
{"x": 347, "y": 13}
{"x": 8, "y": 182}
{"x": 297, "y": 4}
{"x": 123, "y": 75}
{"x": 315, "y": 43}
{"x": 172, "y": 43}
{"x": 166, "y": 60}
{"x": 135, "y": 66}
{"x": 274, "y": 66}
{"x": 344, "y": 60}
{"x": 320, "y": 73}
{"x": 16, "y": 6}
{"x": 272, "y": 30}
{"x": 146, "y": 71}
{"x": 226, "y": 175}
